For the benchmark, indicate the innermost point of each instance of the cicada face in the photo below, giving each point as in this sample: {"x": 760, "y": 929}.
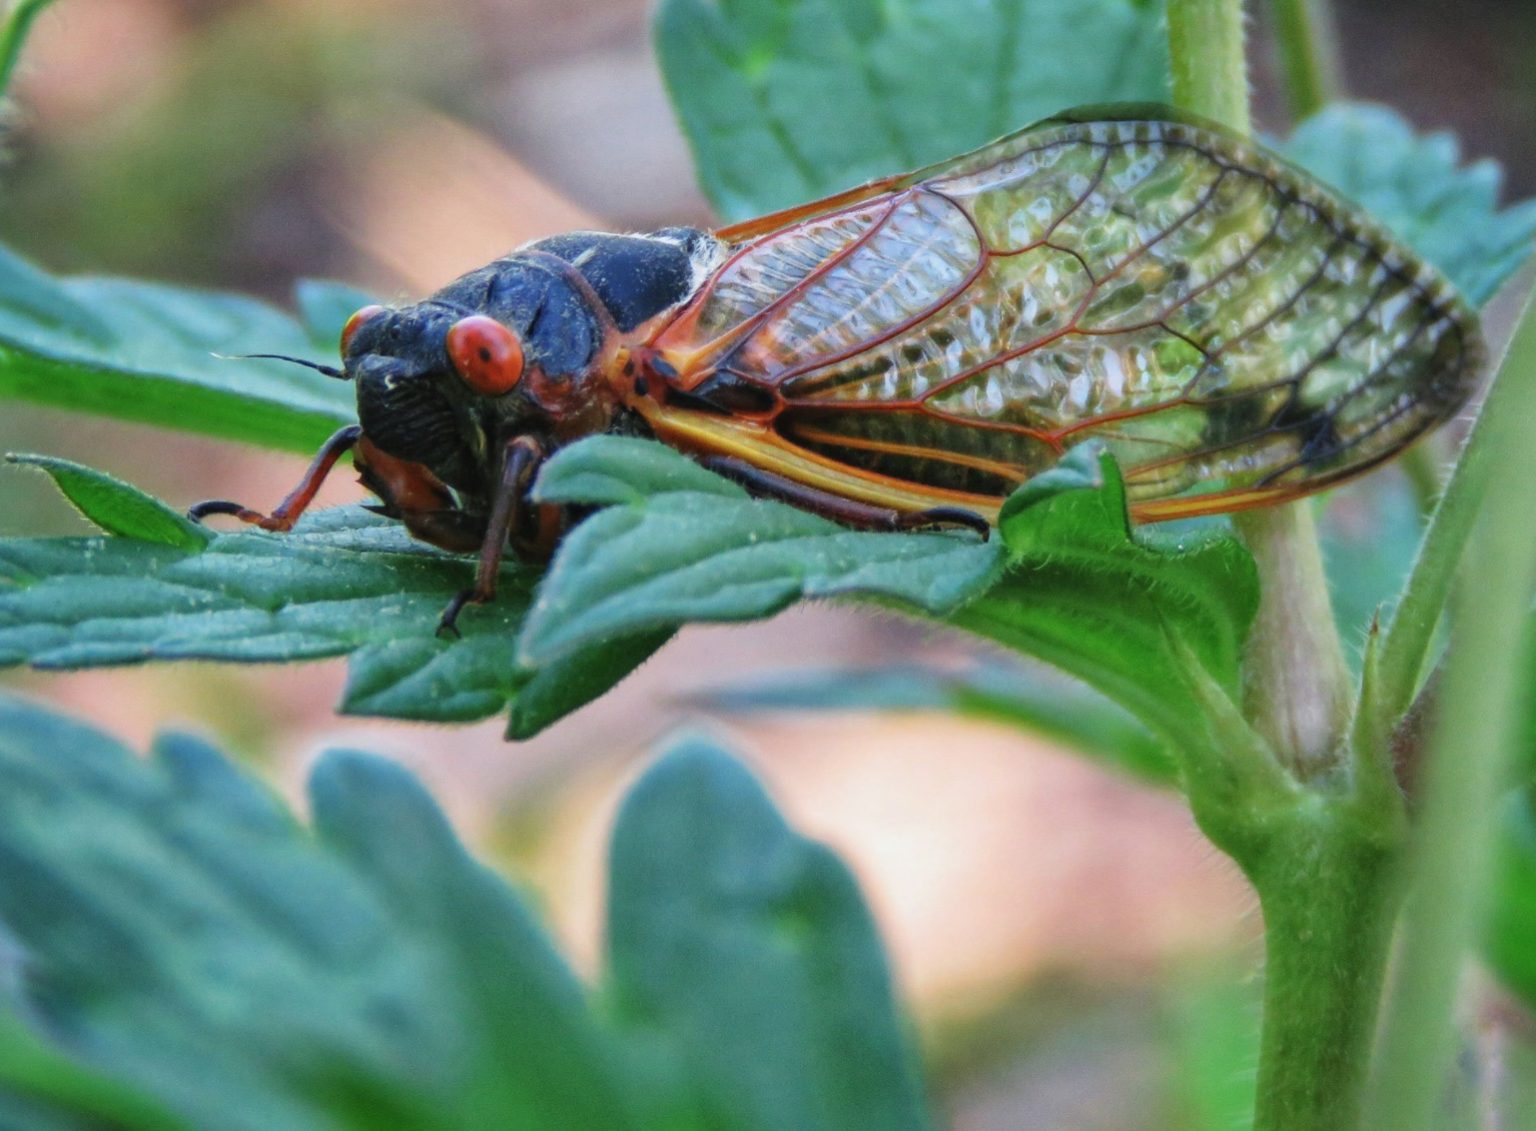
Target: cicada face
{"x": 519, "y": 348}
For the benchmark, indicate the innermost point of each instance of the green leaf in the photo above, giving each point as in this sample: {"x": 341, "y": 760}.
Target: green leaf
{"x": 620, "y": 469}
{"x": 1107, "y": 605}
{"x": 533, "y": 1055}
{"x": 184, "y": 933}
{"x": 556, "y": 689}
{"x": 1033, "y": 700}
{"x": 116, "y": 507}
{"x": 144, "y": 352}
{"x": 343, "y": 583}
{"x": 1415, "y": 185}
{"x": 746, "y": 950}
{"x": 663, "y": 560}
{"x": 786, "y": 102}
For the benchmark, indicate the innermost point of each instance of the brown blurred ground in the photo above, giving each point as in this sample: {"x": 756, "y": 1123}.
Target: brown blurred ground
{"x": 395, "y": 143}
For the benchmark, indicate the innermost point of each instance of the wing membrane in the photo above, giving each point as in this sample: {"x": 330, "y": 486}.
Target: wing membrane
{"x": 1230, "y": 328}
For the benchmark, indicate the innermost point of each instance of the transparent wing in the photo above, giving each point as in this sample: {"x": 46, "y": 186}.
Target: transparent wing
{"x": 1225, "y": 324}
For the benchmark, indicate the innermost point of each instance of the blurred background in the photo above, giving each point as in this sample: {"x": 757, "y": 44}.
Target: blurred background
{"x": 1055, "y": 928}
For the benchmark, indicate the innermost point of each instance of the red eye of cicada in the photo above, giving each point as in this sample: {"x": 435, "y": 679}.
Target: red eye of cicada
{"x": 487, "y": 355}
{"x": 349, "y": 331}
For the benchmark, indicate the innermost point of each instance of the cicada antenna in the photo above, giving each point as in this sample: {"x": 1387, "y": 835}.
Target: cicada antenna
{"x": 328, "y": 370}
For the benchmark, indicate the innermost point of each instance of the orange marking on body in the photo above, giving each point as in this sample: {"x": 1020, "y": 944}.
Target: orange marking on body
{"x": 789, "y": 217}
{"x": 750, "y": 325}
{"x": 1000, "y": 468}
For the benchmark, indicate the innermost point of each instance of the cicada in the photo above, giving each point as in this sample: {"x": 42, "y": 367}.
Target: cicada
{"x": 906, "y": 353}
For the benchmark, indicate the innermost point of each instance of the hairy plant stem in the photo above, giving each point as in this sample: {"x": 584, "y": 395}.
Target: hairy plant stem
{"x": 1410, "y": 634}
{"x": 1326, "y": 886}
{"x": 1323, "y": 859}
{"x": 1210, "y": 66}
{"x": 1309, "y": 54}
{"x": 1475, "y": 740}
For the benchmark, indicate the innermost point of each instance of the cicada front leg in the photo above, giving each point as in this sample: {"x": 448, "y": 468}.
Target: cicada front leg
{"x": 509, "y": 514}
{"x": 298, "y": 500}
{"x": 412, "y": 495}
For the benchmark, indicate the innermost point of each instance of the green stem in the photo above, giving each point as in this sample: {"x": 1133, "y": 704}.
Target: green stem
{"x": 1327, "y": 890}
{"x": 13, "y": 35}
{"x": 1475, "y": 741}
{"x": 1410, "y": 633}
{"x": 1321, "y": 861}
{"x": 1296, "y": 677}
{"x": 1309, "y": 54}
{"x": 1210, "y": 69}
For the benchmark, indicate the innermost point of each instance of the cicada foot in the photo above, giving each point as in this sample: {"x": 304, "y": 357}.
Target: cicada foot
{"x": 448, "y": 623}
{"x": 275, "y": 521}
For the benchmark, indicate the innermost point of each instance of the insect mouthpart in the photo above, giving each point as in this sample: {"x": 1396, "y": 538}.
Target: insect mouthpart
{"x": 404, "y": 413}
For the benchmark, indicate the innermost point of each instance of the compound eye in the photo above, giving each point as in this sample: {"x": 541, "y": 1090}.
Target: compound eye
{"x": 487, "y": 355}
{"x": 355, "y": 323}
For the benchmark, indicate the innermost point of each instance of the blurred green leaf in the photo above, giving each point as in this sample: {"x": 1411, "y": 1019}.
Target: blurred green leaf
{"x": 531, "y": 1054}
{"x": 324, "y": 308}
{"x": 1038, "y": 701}
{"x": 14, "y": 29}
{"x": 1416, "y": 185}
{"x": 144, "y": 352}
{"x": 181, "y": 931}
{"x": 1116, "y": 607}
{"x": 787, "y": 102}
{"x": 42, "y": 1089}
{"x": 657, "y": 561}
{"x": 116, "y": 507}
{"x": 746, "y": 950}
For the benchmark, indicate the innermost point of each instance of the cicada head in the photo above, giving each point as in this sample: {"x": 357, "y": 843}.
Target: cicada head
{"x": 406, "y": 401}
{"x": 513, "y": 349}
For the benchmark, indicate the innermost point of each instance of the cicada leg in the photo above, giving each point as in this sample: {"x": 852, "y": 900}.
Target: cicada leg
{"x": 411, "y": 494}
{"x": 850, "y": 511}
{"x": 298, "y": 500}
{"x": 520, "y": 460}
